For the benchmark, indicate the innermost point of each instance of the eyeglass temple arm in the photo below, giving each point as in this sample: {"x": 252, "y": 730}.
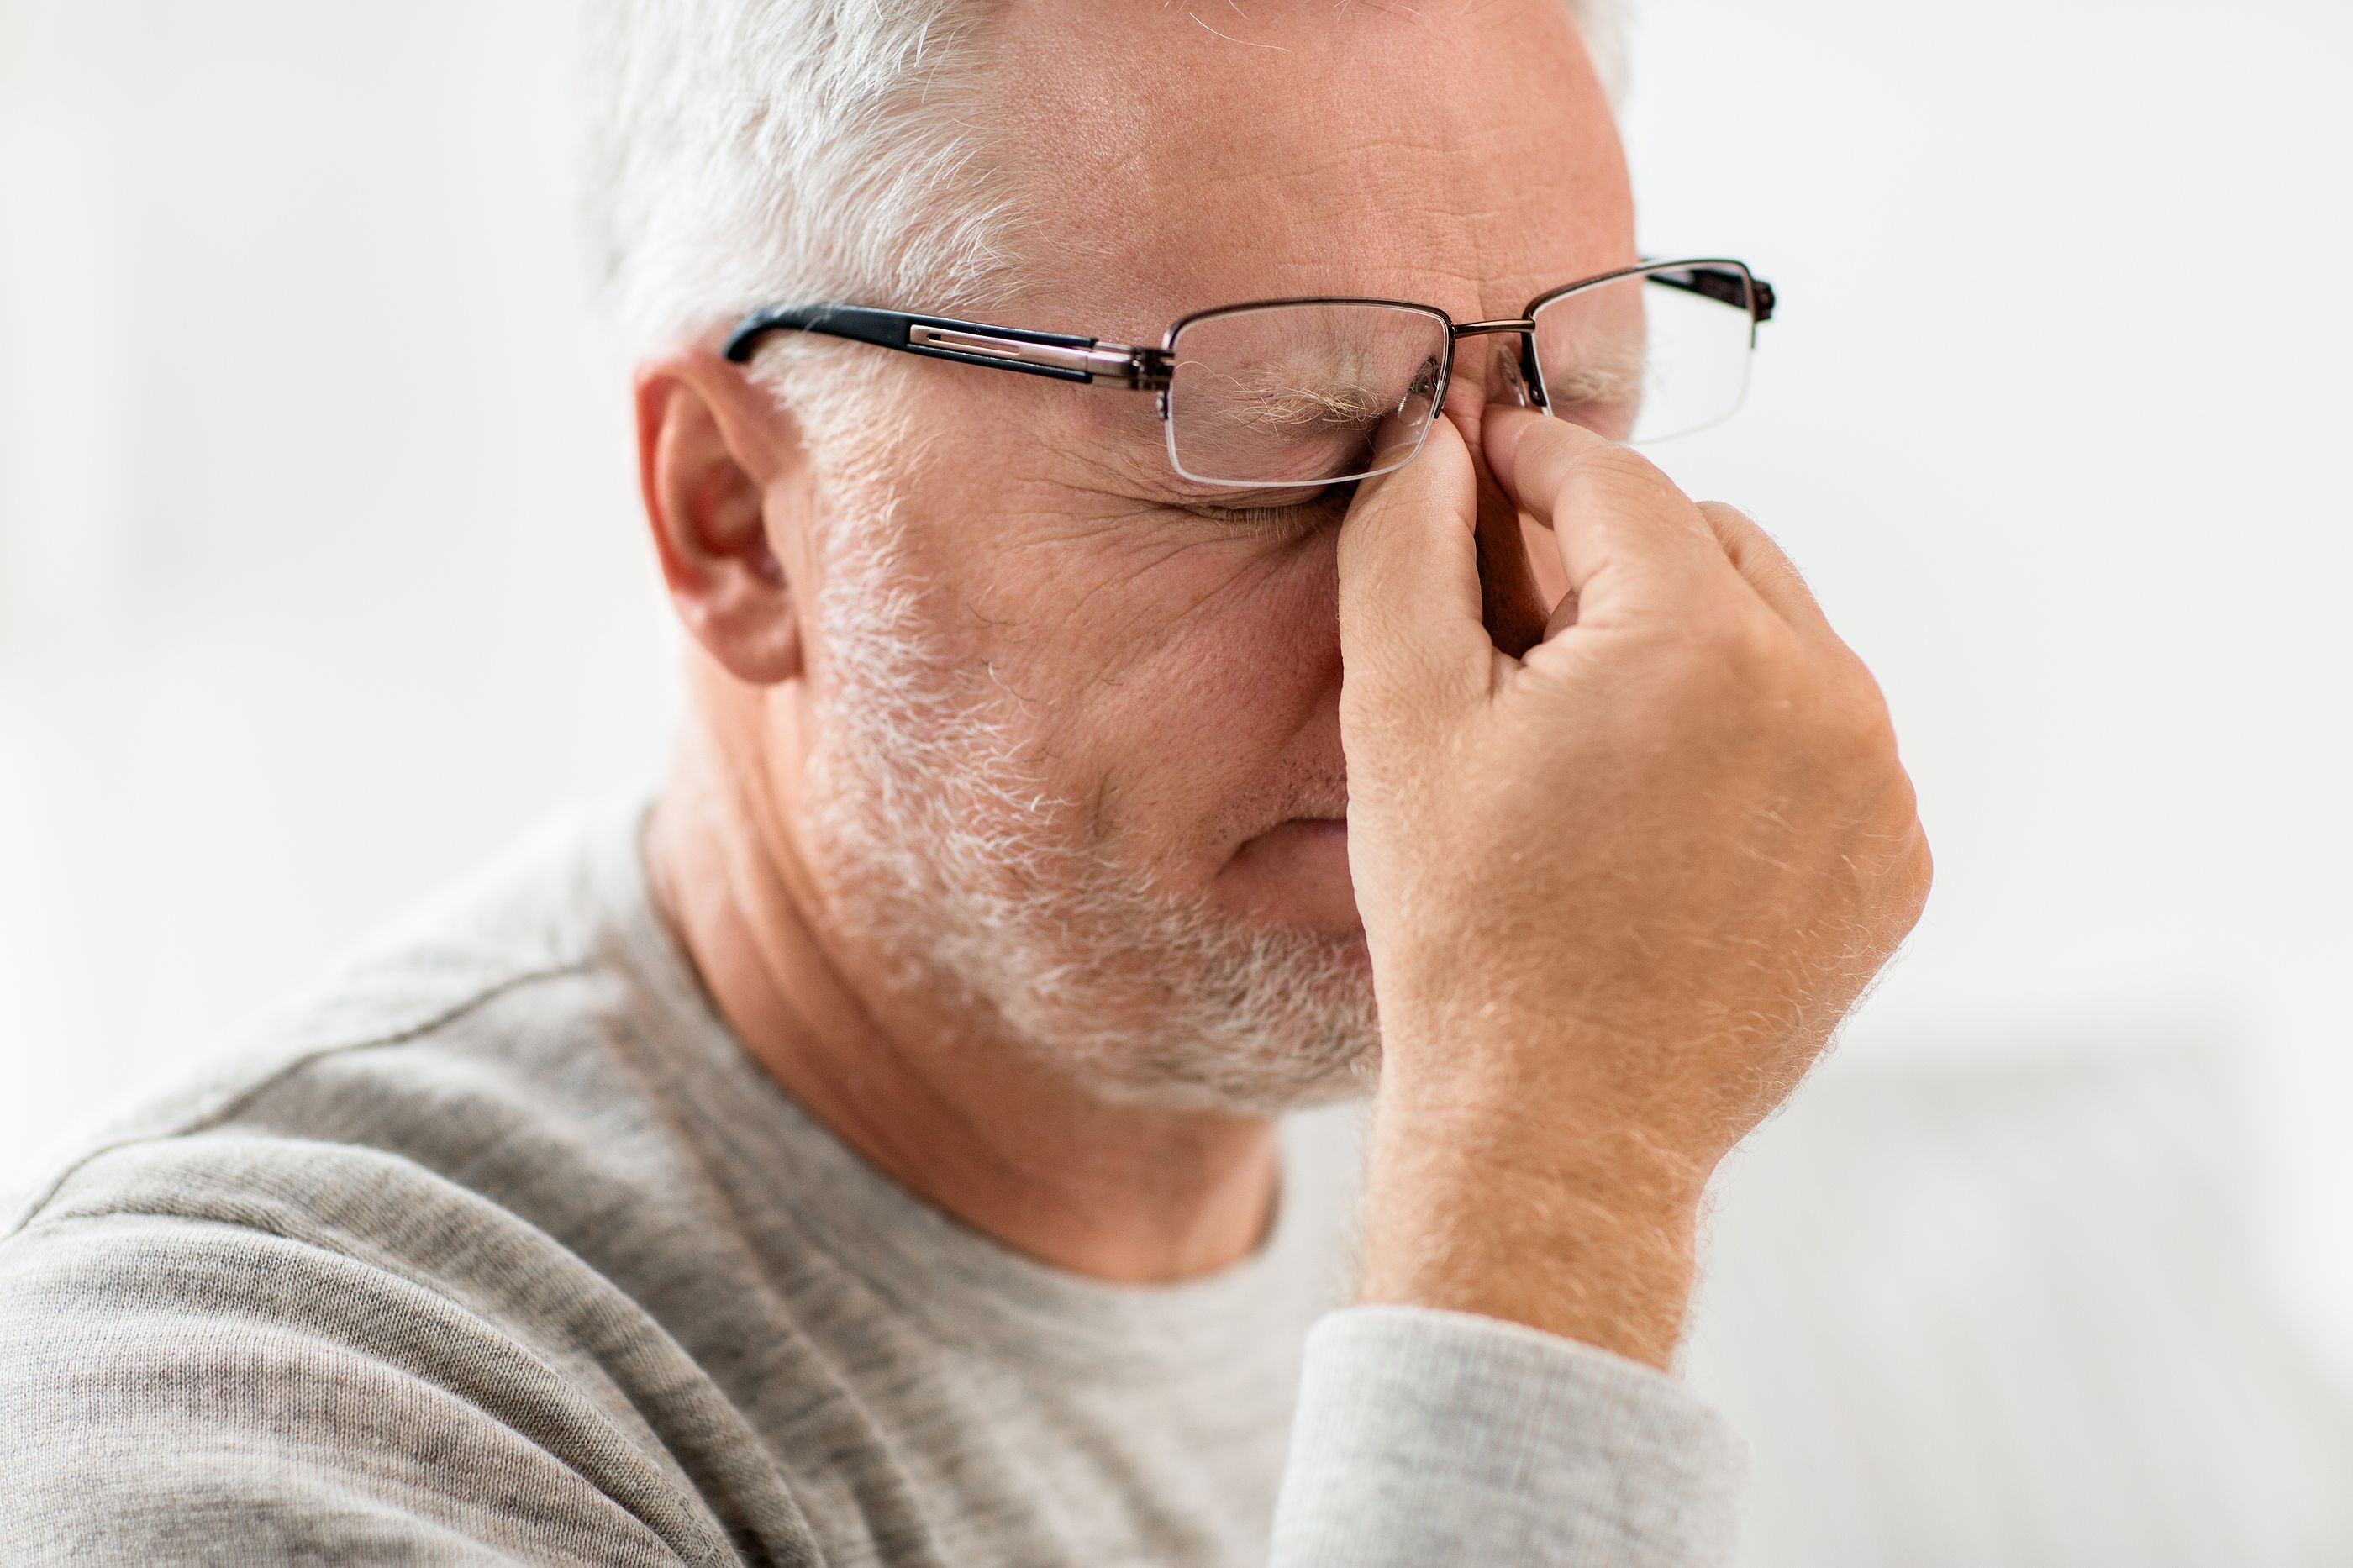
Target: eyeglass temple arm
{"x": 1054, "y": 354}
{"x": 1722, "y": 285}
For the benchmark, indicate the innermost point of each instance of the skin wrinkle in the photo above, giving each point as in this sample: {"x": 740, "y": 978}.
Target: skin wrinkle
{"x": 1139, "y": 653}
{"x": 1394, "y": 194}
{"x": 1083, "y": 456}
{"x": 1092, "y": 438}
{"x": 1140, "y": 575}
{"x": 1114, "y": 585}
{"x": 1231, "y": 38}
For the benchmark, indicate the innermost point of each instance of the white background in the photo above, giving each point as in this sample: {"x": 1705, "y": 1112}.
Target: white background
{"x": 318, "y": 581}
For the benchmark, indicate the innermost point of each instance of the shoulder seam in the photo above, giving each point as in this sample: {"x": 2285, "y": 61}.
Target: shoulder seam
{"x": 236, "y": 1102}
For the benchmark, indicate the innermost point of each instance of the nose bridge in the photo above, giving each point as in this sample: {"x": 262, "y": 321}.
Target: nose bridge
{"x": 1486, "y": 368}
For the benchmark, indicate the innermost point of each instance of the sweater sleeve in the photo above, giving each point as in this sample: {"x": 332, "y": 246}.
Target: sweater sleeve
{"x": 175, "y": 1390}
{"x": 1425, "y": 1436}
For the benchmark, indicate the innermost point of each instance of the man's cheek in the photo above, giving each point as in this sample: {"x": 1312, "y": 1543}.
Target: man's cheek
{"x": 1154, "y": 612}
{"x": 1196, "y": 736}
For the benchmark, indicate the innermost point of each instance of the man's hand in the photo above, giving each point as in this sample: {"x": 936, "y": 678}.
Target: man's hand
{"x": 1618, "y": 892}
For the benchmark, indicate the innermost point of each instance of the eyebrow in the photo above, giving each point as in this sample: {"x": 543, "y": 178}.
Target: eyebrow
{"x": 1287, "y": 397}
{"x": 1604, "y": 382}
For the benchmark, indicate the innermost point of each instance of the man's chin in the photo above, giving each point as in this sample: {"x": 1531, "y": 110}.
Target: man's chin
{"x": 1257, "y": 1087}
{"x": 1294, "y": 1029}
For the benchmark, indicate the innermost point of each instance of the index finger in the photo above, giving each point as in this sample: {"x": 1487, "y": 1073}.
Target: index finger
{"x": 1612, "y": 513}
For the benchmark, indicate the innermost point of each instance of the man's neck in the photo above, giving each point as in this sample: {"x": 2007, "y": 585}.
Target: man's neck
{"x": 1013, "y": 1149}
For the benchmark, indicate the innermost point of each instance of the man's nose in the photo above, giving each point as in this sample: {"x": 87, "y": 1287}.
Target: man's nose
{"x": 1487, "y": 370}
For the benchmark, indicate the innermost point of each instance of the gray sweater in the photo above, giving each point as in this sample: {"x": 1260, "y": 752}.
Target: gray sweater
{"x": 497, "y": 1248}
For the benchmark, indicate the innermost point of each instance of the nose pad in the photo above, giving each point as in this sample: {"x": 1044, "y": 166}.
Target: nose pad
{"x": 1509, "y": 376}
{"x": 1415, "y": 403}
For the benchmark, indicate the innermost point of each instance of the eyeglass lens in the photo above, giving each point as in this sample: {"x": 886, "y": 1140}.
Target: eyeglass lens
{"x": 1644, "y": 358}
{"x": 1303, "y": 395}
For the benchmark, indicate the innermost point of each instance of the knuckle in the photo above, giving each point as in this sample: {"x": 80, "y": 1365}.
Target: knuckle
{"x": 1852, "y": 713}
{"x": 1621, "y": 477}
{"x": 1886, "y": 813}
{"x": 1922, "y": 870}
{"x": 1826, "y": 716}
{"x": 1727, "y": 516}
{"x": 1583, "y": 470}
{"x": 1862, "y": 727}
{"x": 1900, "y": 873}
{"x": 1754, "y": 652}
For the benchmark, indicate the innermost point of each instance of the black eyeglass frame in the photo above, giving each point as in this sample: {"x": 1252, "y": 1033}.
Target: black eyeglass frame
{"x": 1090, "y": 360}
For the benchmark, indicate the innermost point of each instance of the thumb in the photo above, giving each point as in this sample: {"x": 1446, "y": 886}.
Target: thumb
{"x": 1413, "y": 643}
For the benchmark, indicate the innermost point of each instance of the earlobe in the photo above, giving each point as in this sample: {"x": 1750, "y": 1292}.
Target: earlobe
{"x": 720, "y": 469}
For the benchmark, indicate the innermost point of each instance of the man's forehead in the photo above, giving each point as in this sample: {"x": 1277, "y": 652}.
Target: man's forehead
{"x": 1171, "y": 159}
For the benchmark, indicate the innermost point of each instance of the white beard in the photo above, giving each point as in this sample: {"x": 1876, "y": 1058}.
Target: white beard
{"x": 945, "y": 854}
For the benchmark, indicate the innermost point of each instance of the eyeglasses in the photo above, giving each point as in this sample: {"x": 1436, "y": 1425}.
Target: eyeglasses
{"x": 1284, "y": 393}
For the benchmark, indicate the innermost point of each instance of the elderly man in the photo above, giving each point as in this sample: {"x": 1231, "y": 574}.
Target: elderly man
{"x": 869, "y": 1153}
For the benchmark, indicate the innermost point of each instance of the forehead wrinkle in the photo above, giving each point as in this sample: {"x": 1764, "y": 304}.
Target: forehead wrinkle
{"x": 1288, "y": 175}
{"x": 1474, "y": 263}
{"x": 1388, "y": 214}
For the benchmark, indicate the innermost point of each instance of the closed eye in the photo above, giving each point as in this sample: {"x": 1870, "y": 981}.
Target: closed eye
{"x": 1279, "y": 515}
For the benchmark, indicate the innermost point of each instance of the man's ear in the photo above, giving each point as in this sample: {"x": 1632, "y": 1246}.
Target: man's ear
{"x": 717, "y": 457}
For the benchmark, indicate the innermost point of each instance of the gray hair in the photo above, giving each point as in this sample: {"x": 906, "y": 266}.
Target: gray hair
{"x": 745, "y": 151}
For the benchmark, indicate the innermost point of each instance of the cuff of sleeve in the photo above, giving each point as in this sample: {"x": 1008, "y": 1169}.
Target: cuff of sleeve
{"x": 1427, "y": 1436}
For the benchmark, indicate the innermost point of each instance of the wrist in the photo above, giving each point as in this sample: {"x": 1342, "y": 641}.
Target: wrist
{"x": 1592, "y": 1236}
